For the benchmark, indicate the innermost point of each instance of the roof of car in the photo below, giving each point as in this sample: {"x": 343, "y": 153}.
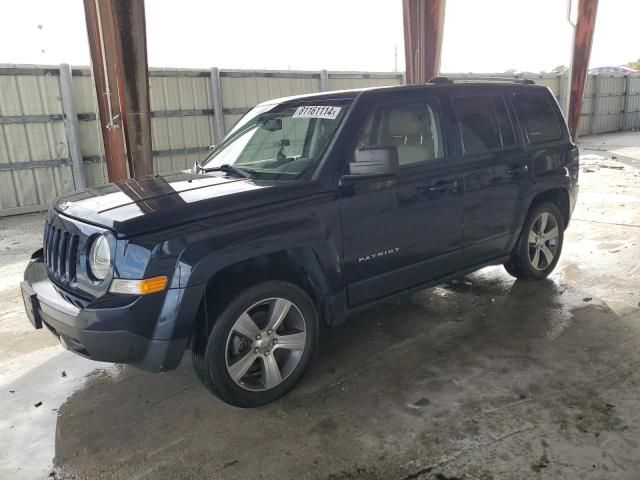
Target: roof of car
{"x": 352, "y": 93}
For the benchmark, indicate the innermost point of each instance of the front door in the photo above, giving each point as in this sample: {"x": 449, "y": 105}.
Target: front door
{"x": 403, "y": 230}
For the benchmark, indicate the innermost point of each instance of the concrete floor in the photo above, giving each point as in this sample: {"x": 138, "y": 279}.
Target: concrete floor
{"x": 484, "y": 378}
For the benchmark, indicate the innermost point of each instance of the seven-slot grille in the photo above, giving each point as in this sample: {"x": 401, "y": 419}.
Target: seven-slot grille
{"x": 60, "y": 253}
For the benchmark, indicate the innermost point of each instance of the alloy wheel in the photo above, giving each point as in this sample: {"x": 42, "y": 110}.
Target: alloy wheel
{"x": 543, "y": 241}
{"x": 265, "y": 344}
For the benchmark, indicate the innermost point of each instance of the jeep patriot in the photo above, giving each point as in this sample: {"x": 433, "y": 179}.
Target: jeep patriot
{"x": 309, "y": 208}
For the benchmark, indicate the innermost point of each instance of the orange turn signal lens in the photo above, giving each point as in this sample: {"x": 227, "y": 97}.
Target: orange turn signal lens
{"x": 139, "y": 287}
{"x": 153, "y": 284}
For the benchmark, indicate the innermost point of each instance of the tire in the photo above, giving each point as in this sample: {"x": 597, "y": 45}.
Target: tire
{"x": 536, "y": 255}
{"x": 246, "y": 362}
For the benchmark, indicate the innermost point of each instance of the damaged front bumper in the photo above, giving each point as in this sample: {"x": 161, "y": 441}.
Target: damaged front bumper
{"x": 86, "y": 331}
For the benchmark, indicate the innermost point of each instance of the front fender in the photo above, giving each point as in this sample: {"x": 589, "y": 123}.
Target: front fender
{"x": 296, "y": 230}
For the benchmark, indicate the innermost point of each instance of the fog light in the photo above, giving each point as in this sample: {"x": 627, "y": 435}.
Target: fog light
{"x": 138, "y": 287}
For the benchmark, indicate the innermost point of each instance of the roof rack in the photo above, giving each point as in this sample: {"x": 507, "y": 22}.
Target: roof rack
{"x": 440, "y": 80}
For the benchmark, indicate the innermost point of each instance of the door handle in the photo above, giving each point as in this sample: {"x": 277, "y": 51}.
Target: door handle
{"x": 517, "y": 170}
{"x": 441, "y": 186}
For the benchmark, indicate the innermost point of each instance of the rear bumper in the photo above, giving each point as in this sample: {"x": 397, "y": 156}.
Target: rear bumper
{"x": 73, "y": 326}
{"x": 573, "y": 197}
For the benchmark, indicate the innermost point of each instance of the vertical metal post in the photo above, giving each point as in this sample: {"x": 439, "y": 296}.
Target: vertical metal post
{"x": 423, "y": 27}
{"x": 216, "y": 99}
{"x": 101, "y": 40}
{"x": 71, "y": 127}
{"x": 583, "y": 39}
{"x": 595, "y": 106}
{"x": 324, "y": 80}
{"x": 117, "y": 42}
{"x": 627, "y": 98}
{"x": 132, "y": 74}
{"x": 568, "y": 74}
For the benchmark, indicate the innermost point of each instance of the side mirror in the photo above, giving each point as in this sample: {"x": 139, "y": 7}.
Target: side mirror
{"x": 375, "y": 161}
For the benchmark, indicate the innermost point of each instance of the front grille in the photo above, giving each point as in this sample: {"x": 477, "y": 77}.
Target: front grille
{"x": 61, "y": 254}
{"x": 74, "y": 300}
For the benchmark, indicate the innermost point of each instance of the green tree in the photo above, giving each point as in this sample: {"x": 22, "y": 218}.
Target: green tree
{"x": 511, "y": 71}
{"x": 559, "y": 69}
{"x": 635, "y": 65}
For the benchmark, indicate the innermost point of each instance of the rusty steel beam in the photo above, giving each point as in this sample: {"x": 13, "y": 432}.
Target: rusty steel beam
{"x": 101, "y": 34}
{"x": 583, "y": 39}
{"x": 117, "y": 41}
{"x": 133, "y": 80}
{"x": 423, "y": 27}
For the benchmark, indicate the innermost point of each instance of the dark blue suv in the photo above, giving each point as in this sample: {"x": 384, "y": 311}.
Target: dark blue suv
{"x": 309, "y": 208}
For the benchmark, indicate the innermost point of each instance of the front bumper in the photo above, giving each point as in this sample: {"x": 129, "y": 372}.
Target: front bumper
{"x": 85, "y": 331}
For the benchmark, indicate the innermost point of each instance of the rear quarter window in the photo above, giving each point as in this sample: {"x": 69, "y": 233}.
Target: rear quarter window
{"x": 538, "y": 118}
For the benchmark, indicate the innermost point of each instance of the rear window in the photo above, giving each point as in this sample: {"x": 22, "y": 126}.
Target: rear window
{"x": 484, "y": 124}
{"x": 538, "y": 118}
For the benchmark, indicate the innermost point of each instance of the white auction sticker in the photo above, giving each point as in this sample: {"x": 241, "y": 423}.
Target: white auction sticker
{"x": 330, "y": 113}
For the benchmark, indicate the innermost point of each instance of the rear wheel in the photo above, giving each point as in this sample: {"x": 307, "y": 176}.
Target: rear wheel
{"x": 538, "y": 249}
{"x": 260, "y": 345}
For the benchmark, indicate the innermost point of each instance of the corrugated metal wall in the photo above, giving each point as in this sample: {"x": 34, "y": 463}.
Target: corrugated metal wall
{"x": 182, "y": 117}
{"x": 586, "y": 112}
{"x": 632, "y": 104}
{"x": 89, "y": 130}
{"x": 608, "y": 102}
{"x": 35, "y": 164}
{"x": 242, "y": 89}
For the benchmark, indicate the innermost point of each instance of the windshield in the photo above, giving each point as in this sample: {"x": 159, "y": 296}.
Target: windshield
{"x": 280, "y": 141}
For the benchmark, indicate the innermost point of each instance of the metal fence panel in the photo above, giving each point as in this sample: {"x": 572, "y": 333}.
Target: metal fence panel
{"x": 632, "y": 117}
{"x": 182, "y": 118}
{"x": 35, "y": 164}
{"x": 34, "y": 158}
{"x": 586, "y": 111}
{"x": 90, "y": 135}
{"x": 610, "y": 103}
{"x": 552, "y": 82}
{"x": 242, "y": 89}
{"x": 348, "y": 80}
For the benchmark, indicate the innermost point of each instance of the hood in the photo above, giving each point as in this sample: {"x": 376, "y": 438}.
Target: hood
{"x": 148, "y": 203}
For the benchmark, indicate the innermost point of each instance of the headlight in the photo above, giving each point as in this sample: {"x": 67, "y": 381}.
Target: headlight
{"x": 100, "y": 257}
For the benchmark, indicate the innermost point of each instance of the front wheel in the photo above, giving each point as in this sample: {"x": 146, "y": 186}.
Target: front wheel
{"x": 260, "y": 345}
{"x": 538, "y": 249}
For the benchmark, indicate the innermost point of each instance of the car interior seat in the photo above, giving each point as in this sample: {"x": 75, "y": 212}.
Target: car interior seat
{"x": 407, "y": 129}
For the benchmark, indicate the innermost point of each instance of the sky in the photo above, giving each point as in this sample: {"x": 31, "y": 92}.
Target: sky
{"x": 479, "y": 36}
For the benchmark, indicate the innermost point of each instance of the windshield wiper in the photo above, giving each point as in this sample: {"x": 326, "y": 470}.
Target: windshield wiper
{"x": 223, "y": 168}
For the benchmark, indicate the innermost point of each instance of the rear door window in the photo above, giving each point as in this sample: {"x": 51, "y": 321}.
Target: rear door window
{"x": 505, "y": 128}
{"x": 484, "y": 122}
{"x": 477, "y": 124}
{"x": 538, "y": 118}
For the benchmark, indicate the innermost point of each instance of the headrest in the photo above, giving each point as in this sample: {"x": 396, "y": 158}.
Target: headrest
{"x": 403, "y": 123}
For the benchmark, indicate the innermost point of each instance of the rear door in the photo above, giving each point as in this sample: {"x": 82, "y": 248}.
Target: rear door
{"x": 495, "y": 174}
{"x": 403, "y": 230}
{"x": 553, "y": 157}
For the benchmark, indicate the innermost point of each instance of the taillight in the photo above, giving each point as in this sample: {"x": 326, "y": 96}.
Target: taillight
{"x": 574, "y": 155}
{"x": 574, "y": 163}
